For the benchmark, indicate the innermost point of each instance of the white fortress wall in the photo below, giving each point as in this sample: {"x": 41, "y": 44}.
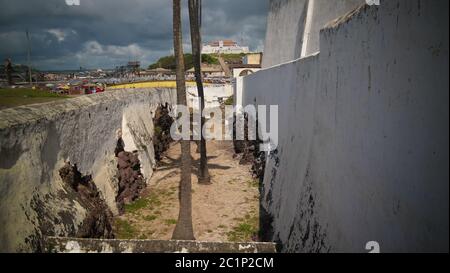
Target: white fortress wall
{"x": 213, "y": 92}
{"x": 363, "y": 133}
{"x": 293, "y": 27}
{"x": 284, "y": 34}
{"x": 35, "y": 140}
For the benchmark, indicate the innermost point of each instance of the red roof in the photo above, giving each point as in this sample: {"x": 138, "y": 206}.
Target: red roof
{"x": 225, "y": 43}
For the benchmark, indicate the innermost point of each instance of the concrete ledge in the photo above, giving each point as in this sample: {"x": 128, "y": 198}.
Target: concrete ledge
{"x": 36, "y": 139}
{"x": 78, "y": 245}
{"x": 50, "y": 110}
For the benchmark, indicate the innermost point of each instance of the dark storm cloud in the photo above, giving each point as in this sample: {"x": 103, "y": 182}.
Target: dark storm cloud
{"x": 106, "y": 33}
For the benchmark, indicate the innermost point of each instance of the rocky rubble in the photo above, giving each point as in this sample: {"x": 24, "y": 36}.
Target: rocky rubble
{"x": 161, "y": 138}
{"x": 98, "y": 221}
{"x": 249, "y": 153}
{"x": 131, "y": 180}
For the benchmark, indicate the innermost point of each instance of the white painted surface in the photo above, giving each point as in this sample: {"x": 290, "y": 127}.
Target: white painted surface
{"x": 321, "y": 12}
{"x": 364, "y": 129}
{"x": 284, "y": 31}
{"x": 36, "y": 139}
{"x": 238, "y": 71}
{"x": 293, "y": 27}
{"x": 213, "y": 92}
{"x": 237, "y": 90}
{"x": 307, "y": 31}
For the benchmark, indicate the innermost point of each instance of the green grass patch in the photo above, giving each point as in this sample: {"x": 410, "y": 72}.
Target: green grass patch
{"x": 158, "y": 130}
{"x": 124, "y": 230}
{"x": 170, "y": 222}
{"x": 169, "y": 62}
{"x": 229, "y": 101}
{"x": 12, "y": 97}
{"x": 254, "y": 183}
{"x": 167, "y": 193}
{"x": 136, "y": 205}
{"x": 230, "y": 58}
{"x": 154, "y": 201}
{"x": 150, "y": 217}
{"x": 244, "y": 230}
{"x": 150, "y": 202}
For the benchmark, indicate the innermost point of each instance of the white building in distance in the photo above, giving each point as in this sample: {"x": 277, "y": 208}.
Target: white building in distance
{"x": 224, "y": 47}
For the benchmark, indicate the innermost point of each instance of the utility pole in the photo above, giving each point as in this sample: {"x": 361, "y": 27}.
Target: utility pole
{"x": 29, "y": 57}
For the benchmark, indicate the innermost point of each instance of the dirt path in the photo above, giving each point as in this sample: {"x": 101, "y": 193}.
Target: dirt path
{"x": 226, "y": 210}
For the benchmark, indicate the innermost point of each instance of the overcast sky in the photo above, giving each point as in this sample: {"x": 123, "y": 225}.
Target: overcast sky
{"x": 107, "y": 33}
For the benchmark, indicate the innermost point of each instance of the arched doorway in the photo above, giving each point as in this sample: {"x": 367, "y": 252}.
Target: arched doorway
{"x": 245, "y": 72}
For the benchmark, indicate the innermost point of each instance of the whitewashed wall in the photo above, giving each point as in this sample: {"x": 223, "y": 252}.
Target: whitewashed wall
{"x": 293, "y": 27}
{"x": 213, "y": 92}
{"x": 284, "y": 34}
{"x": 363, "y": 139}
{"x": 35, "y": 140}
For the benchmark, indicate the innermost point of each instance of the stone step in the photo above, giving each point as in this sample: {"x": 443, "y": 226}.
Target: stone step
{"x": 79, "y": 245}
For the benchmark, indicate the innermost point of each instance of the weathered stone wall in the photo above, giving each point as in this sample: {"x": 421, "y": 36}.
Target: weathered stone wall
{"x": 284, "y": 33}
{"x": 76, "y": 245}
{"x": 363, "y": 149}
{"x": 35, "y": 141}
{"x": 293, "y": 27}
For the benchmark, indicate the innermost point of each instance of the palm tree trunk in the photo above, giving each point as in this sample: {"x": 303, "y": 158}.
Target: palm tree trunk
{"x": 194, "y": 18}
{"x": 183, "y": 229}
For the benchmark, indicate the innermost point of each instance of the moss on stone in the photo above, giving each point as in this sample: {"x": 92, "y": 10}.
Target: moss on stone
{"x": 124, "y": 229}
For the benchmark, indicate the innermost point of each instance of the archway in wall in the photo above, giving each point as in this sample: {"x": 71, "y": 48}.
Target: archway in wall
{"x": 245, "y": 72}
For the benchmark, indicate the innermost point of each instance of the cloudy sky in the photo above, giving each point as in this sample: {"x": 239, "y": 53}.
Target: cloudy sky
{"x": 107, "y": 33}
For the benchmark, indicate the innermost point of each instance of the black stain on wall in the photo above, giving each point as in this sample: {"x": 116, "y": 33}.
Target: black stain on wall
{"x": 307, "y": 234}
{"x": 9, "y": 156}
{"x": 49, "y": 152}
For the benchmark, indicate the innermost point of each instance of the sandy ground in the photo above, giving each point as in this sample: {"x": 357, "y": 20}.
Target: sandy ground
{"x": 225, "y": 210}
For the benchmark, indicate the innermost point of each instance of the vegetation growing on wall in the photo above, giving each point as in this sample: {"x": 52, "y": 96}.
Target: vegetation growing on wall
{"x": 231, "y": 58}
{"x": 161, "y": 138}
{"x": 168, "y": 62}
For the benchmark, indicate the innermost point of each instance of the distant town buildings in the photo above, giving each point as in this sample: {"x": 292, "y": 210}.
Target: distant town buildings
{"x": 131, "y": 69}
{"x": 208, "y": 71}
{"x": 224, "y": 47}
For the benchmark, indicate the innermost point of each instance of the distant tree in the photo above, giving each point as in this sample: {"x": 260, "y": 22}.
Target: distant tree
{"x": 183, "y": 229}
{"x": 168, "y": 62}
{"x": 206, "y": 58}
{"x": 194, "y": 18}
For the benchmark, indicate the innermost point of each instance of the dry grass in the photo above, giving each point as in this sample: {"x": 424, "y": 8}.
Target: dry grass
{"x": 12, "y": 97}
{"x": 226, "y": 210}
